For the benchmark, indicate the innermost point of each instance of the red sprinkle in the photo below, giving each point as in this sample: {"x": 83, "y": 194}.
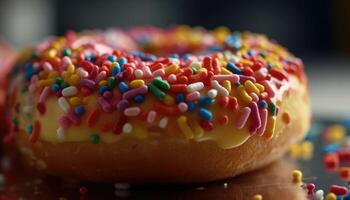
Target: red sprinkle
{"x": 223, "y": 119}
{"x": 223, "y": 101}
{"x": 331, "y": 160}
{"x": 176, "y": 88}
{"x": 339, "y": 190}
{"x": 35, "y": 132}
{"x": 118, "y": 127}
{"x": 165, "y": 109}
{"x": 41, "y": 108}
{"x": 278, "y": 74}
{"x": 206, "y": 125}
{"x": 83, "y": 190}
{"x": 92, "y": 117}
{"x": 233, "y": 104}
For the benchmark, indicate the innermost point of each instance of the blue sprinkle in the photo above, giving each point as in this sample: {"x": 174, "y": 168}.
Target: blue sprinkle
{"x": 233, "y": 68}
{"x": 234, "y": 41}
{"x": 139, "y": 98}
{"x": 90, "y": 58}
{"x": 263, "y": 104}
{"x": 115, "y": 70}
{"x": 29, "y": 129}
{"x": 55, "y": 88}
{"x": 205, "y": 114}
{"x": 103, "y": 89}
{"x": 123, "y": 87}
{"x": 174, "y": 55}
{"x": 112, "y": 58}
{"x": 205, "y": 101}
{"x": 79, "y": 110}
{"x": 191, "y": 106}
{"x": 331, "y": 148}
{"x": 186, "y": 56}
{"x": 179, "y": 98}
{"x": 121, "y": 62}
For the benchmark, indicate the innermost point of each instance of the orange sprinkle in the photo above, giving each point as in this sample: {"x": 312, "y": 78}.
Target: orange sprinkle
{"x": 36, "y": 132}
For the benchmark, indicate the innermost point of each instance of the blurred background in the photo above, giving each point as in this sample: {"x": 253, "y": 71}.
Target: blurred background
{"x": 316, "y": 31}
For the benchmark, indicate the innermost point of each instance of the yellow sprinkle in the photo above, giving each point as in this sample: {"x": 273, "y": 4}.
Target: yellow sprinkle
{"x": 186, "y": 130}
{"x": 168, "y": 100}
{"x": 66, "y": 77}
{"x": 53, "y": 74}
{"x": 70, "y": 69}
{"x": 74, "y": 101}
{"x": 335, "y": 133}
{"x": 227, "y": 85}
{"x": 246, "y": 62}
{"x": 202, "y": 70}
{"x": 243, "y": 95}
{"x": 74, "y": 79}
{"x": 307, "y": 149}
{"x": 42, "y": 74}
{"x": 46, "y": 82}
{"x": 171, "y": 69}
{"x": 51, "y": 53}
{"x": 257, "y": 197}
{"x": 139, "y": 132}
{"x": 297, "y": 176}
{"x": 221, "y": 33}
{"x": 198, "y": 131}
{"x": 102, "y": 83}
{"x": 270, "y": 128}
{"x": 85, "y": 100}
{"x": 137, "y": 83}
{"x": 294, "y": 151}
{"x": 260, "y": 87}
{"x": 250, "y": 87}
{"x": 331, "y": 196}
{"x": 225, "y": 71}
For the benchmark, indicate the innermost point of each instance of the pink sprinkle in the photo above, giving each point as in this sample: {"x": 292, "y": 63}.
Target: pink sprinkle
{"x": 245, "y": 112}
{"x": 255, "y": 118}
{"x": 65, "y": 62}
{"x": 182, "y": 107}
{"x": 147, "y": 72}
{"x": 44, "y": 94}
{"x": 231, "y": 77}
{"x": 254, "y": 96}
{"x": 158, "y": 72}
{"x": 172, "y": 78}
{"x": 47, "y": 67}
{"x": 64, "y": 121}
{"x": 263, "y": 115}
{"x": 73, "y": 118}
{"x": 134, "y": 92}
{"x": 269, "y": 88}
{"x": 102, "y": 75}
{"x": 244, "y": 78}
{"x": 32, "y": 88}
{"x": 87, "y": 83}
{"x": 132, "y": 111}
{"x": 105, "y": 105}
{"x": 151, "y": 116}
{"x": 122, "y": 105}
{"x": 193, "y": 96}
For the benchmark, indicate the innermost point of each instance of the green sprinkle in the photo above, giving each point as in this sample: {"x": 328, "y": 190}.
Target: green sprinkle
{"x": 64, "y": 85}
{"x": 24, "y": 89}
{"x": 95, "y": 138}
{"x": 237, "y": 84}
{"x": 156, "y": 91}
{"x": 15, "y": 120}
{"x": 35, "y": 54}
{"x": 272, "y": 108}
{"x": 194, "y": 70}
{"x": 111, "y": 82}
{"x": 58, "y": 80}
{"x": 160, "y": 83}
{"x": 67, "y": 52}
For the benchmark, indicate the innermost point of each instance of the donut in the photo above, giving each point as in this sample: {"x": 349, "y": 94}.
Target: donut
{"x": 149, "y": 105}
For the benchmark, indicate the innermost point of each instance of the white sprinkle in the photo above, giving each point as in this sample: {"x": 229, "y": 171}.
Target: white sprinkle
{"x": 212, "y": 93}
{"x": 69, "y": 91}
{"x": 319, "y": 194}
{"x": 100, "y": 76}
{"x": 44, "y": 94}
{"x": 60, "y": 134}
{"x": 195, "y": 87}
{"x": 66, "y": 61}
{"x": 121, "y": 186}
{"x": 82, "y": 72}
{"x": 132, "y": 111}
{"x": 127, "y": 128}
{"x": 47, "y": 67}
{"x": 163, "y": 122}
{"x": 151, "y": 116}
{"x": 138, "y": 73}
{"x": 62, "y": 102}
{"x": 215, "y": 84}
{"x": 195, "y": 64}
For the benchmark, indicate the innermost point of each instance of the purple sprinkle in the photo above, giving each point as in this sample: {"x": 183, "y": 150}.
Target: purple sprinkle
{"x": 74, "y": 118}
{"x": 134, "y": 92}
{"x": 122, "y": 105}
{"x": 244, "y": 78}
{"x": 87, "y": 83}
{"x": 255, "y": 117}
{"x": 64, "y": 121}
{"x": 105, "y": 105}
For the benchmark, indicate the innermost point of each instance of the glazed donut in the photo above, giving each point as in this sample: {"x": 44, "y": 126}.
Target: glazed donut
{"x": 150, "y": 105}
